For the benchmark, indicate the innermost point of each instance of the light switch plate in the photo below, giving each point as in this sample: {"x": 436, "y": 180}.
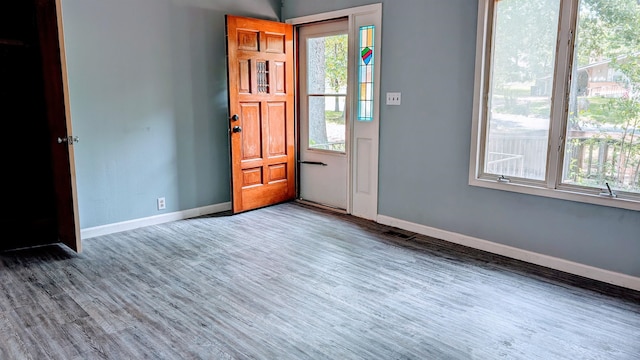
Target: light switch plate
{"x": 393, "y": 98}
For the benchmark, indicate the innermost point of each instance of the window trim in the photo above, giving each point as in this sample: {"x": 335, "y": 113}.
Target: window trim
{"x": 552, "y": 186}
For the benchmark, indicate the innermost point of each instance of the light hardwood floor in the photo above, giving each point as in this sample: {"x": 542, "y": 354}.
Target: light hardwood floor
{"x": 293, "y": 282}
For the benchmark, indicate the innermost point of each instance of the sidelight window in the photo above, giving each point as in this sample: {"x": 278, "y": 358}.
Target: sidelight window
{"x": 365, "y": 73}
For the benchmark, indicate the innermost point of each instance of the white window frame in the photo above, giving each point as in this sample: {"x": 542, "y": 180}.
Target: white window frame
{"x": 552, "y": 186}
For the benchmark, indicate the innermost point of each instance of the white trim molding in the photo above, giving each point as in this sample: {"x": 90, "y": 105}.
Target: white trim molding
{"x": 358, "y": 10}
{"x": 153, "y": 220}
{"x": 607, "y": 276}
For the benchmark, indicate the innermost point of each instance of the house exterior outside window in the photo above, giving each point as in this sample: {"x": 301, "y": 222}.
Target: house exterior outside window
{"x": 557, "y": 99}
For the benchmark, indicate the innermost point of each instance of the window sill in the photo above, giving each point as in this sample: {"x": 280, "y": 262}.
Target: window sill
{"x": 563, "y": 194}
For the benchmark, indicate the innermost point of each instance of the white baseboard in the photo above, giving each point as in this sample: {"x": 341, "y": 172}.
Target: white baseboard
{"x": 152, "y": 220}
{"x": 567, "y": 266}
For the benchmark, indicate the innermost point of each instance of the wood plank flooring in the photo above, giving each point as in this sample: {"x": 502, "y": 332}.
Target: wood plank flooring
{"x": 316, "y": 285}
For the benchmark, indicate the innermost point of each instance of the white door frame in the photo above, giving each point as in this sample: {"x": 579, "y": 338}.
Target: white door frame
{"x": 363, "y": 136}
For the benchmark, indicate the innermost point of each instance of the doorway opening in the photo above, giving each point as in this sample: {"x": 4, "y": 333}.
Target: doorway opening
{"x": 338, "y": 119}
{"x": 324, "y": 99}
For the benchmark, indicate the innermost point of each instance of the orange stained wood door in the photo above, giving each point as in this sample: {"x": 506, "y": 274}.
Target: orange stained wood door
{"x": 261, "y": 103}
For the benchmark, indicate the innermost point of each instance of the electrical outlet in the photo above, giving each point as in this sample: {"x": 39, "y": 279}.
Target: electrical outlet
{"x": 393, "y": 98}
{"x": 161, "y": 203}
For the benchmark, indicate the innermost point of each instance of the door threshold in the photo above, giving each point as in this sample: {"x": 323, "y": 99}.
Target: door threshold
{"x": 326, "y": 207}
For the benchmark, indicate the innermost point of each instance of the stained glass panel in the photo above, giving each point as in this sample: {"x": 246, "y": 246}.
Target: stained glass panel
{"x": 365, "y": 73}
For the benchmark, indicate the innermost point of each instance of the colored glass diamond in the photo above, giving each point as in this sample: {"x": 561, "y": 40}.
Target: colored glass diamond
{"x": 367, "y": 54}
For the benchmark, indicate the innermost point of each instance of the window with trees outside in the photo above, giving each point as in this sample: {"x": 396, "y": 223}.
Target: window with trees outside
{"x": 327, "y": 60}
{"x": 557, "y": 99}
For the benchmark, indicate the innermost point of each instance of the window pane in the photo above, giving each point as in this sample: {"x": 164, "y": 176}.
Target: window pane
{"x": 327, "y": 59}
{"x": 327, "y": 64}
{"x": 327, "y": 82}
{"x": 603, "y": 130}
{"x": 327, "y": 123}
{"x": 522, "y": 69}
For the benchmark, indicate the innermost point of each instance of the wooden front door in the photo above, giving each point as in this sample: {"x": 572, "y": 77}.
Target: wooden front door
{"x": 39, "y": 186}
{"x": 261, "y": 104}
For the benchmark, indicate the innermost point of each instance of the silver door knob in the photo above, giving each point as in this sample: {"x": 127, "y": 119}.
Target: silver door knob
{"x": 68, "y": 140}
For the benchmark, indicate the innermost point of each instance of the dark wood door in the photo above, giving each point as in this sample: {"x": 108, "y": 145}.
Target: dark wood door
{"x": 261, "y": 94}
{"x": 38, "y": 185}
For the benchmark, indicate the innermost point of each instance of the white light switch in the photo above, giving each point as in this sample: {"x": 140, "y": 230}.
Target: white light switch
{"x": 393, "y": 98}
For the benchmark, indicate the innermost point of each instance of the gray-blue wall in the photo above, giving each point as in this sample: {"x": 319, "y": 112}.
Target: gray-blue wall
{"x": 149, "y": 103}
{"x": 428, "y": 54}
{"x": 148, "y": 97}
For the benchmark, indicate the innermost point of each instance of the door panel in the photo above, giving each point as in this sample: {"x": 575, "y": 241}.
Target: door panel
{"x": 251, "y": 135}
{"x": 324, "y": 114}
{"x": 277, "y": 129}
{"x": 260, "y": 76}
